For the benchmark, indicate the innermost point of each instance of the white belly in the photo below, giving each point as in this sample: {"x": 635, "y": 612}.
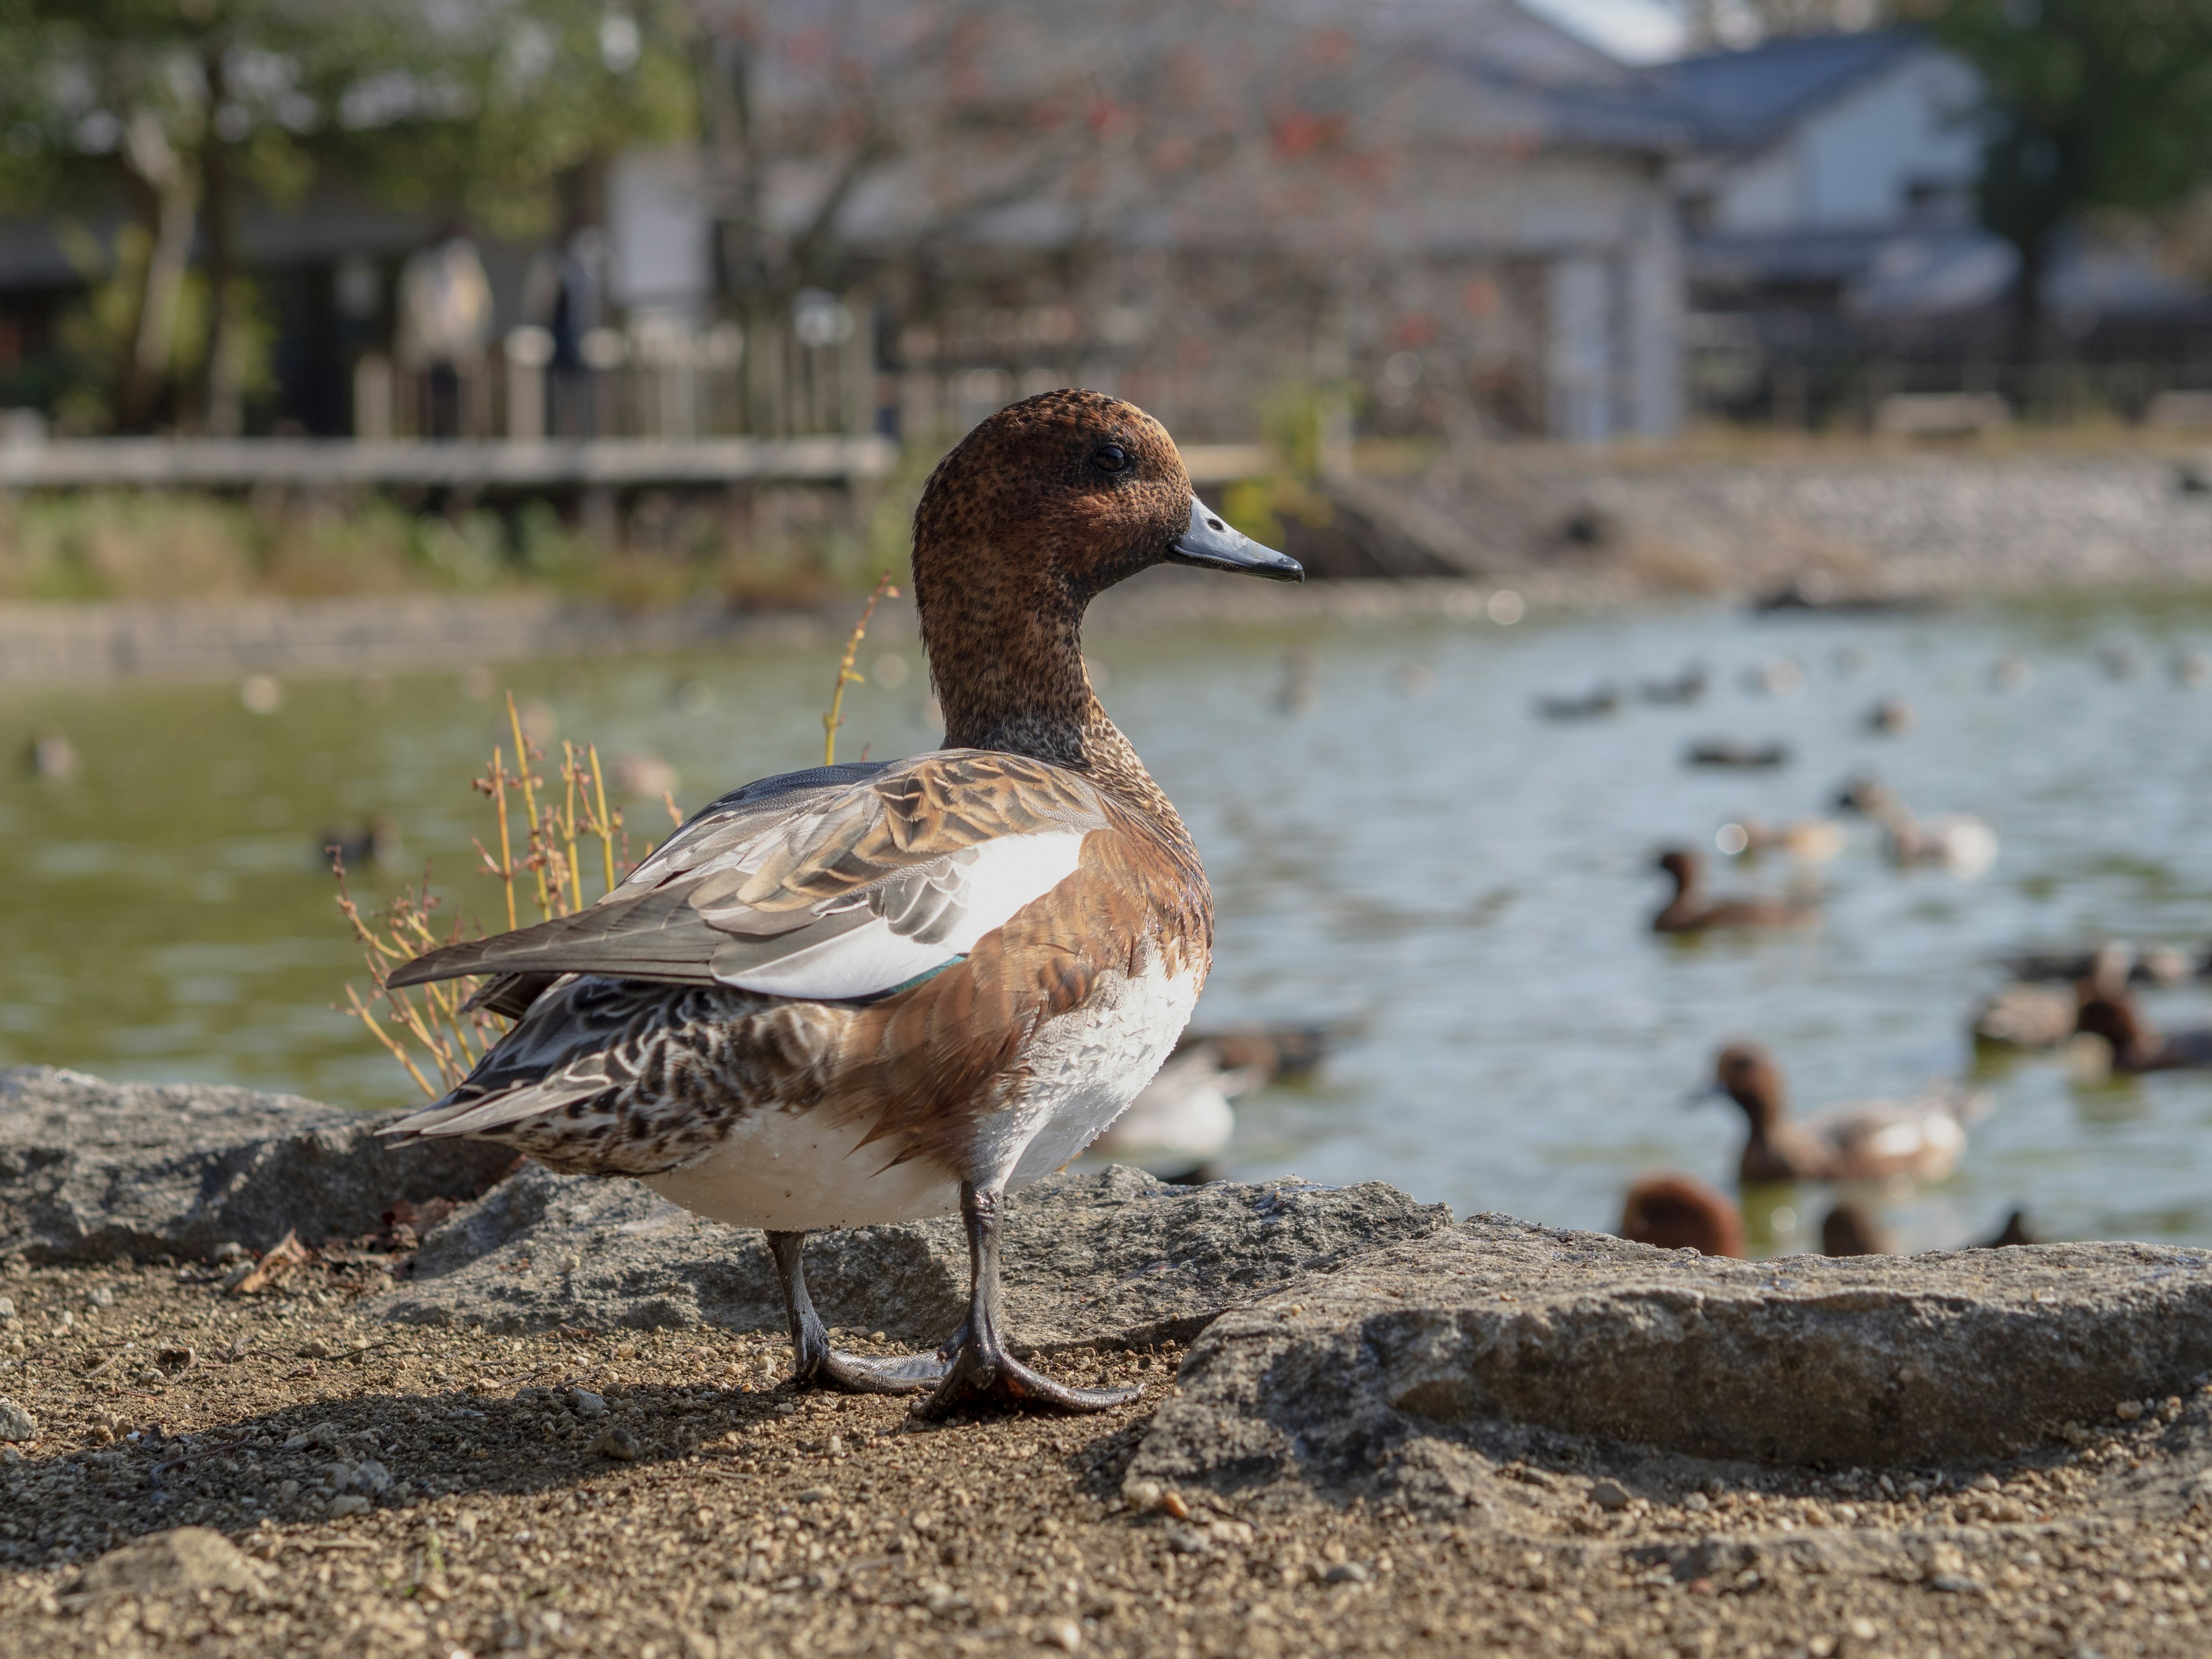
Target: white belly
{"x": 795, "y": 1172}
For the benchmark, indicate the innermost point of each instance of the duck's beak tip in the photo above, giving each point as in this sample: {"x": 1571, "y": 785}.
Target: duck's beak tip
{"x": 1210, "y": 543}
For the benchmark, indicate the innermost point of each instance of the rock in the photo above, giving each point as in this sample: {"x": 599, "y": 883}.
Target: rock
{"x": 617, "y": 1443}
{"x": 346, "y": 1504}
{"x": 587, "y": 1404}
{"x": 1113, "y": 1256}
{"x": 90, "y": 1169}
{"x": 15, "y": 1423}
{"x": 1610, "y": 1495}
{"x": 164, "y": 1563}
{"x": 1395, "y": 1368}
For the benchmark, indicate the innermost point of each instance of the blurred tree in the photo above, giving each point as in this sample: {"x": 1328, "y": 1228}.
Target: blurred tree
{"x": 2093, "y": 104}
{"x": 180, "y": 105}
{"x": 847, "y": 138}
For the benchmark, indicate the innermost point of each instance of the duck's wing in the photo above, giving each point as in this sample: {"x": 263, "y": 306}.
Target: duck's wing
{"x": 834, "y": 884}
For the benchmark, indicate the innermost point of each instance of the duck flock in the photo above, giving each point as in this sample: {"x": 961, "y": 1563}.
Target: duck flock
{"x": 1867, "y": 1154}
{"x": 1857, "y": 1159}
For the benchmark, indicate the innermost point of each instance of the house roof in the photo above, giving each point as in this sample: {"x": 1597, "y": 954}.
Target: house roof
{"x": 1745, "y": 99}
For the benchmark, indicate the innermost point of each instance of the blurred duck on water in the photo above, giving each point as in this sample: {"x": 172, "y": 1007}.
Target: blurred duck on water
{"x": 1810, "y": 841}
{"x": 1693, "y": 911}
{"x": 1850, "y": 1229}
{"x": 1890, "y": 1141}
{"x": 1964, "y": 845}
{"x": 2124, "y": 1040}
{"x": 1181, "y": 1121}
{"x": 1687, "y": 687}
{"x": 1677, "y": 1212}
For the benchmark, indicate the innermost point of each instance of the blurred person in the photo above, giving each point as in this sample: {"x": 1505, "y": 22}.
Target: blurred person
{"x": 565, "y": 295}
{"x": 445, "y": 324}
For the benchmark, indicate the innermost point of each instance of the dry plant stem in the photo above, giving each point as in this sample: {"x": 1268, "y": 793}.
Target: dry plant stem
{"x": 605, "y": 823}
{"x": 846, "y": 675}
{"x": 431, "y": 1030}
{"x": 524, "y": 754}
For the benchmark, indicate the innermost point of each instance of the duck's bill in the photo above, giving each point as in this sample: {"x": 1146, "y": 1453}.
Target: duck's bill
{"x": 1211, "y": 543}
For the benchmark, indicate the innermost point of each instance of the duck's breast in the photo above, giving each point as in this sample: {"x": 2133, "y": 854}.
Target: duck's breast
{"x": 1088, "y": 1064}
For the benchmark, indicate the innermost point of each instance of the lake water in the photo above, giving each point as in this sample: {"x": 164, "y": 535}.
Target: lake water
{"x": 1413, "y": 853}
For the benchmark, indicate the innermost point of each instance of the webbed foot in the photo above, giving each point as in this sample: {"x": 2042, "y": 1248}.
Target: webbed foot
{"x": 979, "y": 1377}
{"x": 854, "y": 1373}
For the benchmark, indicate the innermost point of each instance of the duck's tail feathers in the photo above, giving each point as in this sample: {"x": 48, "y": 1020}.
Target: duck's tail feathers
{"x": 485, "y": 1115}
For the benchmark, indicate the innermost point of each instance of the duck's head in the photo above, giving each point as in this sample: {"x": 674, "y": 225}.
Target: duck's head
{"x": 1747, "y": 1074}
{"x": 2108, "y": 1012}
{"x": 1678, "y": 1211}
{"x": 1680, "y": 863}
{"x": 1034, "y": 513}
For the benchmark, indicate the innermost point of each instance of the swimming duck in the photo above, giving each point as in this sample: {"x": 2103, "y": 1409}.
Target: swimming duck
{"x": 376, "y": 841}
{"x": 1687, "y": 687}
{"x": 1679, "y": 1211}
{"x": 1891, "y": 717}
{"x": 1886, "y": 1140}
{"x": 1691, "y": 912}
{"x": 1956, "y": 841}
{"x": 1182, "y": 1119}
{"x": 2116, "y": 962}
{"x": 1964, "y": 845}
{"x": 877, "y": 990}
{"x": 1810, "y": 841}
{"x": 1589, "y": 705}
{"x": 1850, "y": 1229}
{"x": 1738, "y": 757}
{"x": 2107, "y": 1011}
{"x": 2017, "y": 1230}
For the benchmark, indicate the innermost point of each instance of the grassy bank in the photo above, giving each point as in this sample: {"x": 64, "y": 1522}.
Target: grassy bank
{"x": 769, "y": 545}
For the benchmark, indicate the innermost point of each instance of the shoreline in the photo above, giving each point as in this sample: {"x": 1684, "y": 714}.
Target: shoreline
{"x": 1559, "y": 532}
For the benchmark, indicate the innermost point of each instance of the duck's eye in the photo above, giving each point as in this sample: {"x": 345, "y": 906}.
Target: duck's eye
{"x": 1111, "y": 458}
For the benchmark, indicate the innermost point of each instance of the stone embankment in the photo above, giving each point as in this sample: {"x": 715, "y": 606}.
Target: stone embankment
{"x": 1381, "y": 1423}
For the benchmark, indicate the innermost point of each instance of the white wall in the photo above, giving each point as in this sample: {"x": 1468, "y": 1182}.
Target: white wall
{"x": 657, "y": 230}
{"x": 1852, "y": 164}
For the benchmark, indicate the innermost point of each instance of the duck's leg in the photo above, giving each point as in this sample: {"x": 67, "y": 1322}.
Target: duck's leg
{"x": 982, "y": 1373}
{"x": 813, "y": 1360}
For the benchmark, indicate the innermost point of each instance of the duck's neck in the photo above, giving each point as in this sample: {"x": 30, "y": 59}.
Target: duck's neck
{"x": 1010, "y": 676}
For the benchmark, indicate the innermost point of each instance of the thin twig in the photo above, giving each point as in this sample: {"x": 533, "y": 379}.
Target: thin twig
{"x": 846, "y": 675}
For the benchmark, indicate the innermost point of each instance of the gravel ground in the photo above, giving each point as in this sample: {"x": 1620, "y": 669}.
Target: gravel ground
{"x": 666, "y": 1495}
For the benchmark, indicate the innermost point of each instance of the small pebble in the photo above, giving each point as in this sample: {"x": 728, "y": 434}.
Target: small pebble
{"x": 345, "y": 1503}
{"x": 7, "y": 1308}
{"x": 178, "y": 1357}
{"x": 2128, "y": 1410}
{"x": 100, "y": 1297}
{"x": 1610, "y": 1495}
{"x": 1346, "y": 1572}
{"x": 15, "y": 1423}
{"x": 1063, "y": 1633}
{"x": 1171, "y": 1503}
{"x": 587, "y": 1404}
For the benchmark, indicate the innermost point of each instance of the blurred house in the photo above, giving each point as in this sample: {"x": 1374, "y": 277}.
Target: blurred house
{"x": 1443, "y": 215}
{"x": 1421, "y": 215}
{"x": 1829, "y": 213}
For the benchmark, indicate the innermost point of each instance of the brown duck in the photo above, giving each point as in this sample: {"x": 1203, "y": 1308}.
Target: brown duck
{"x": 1681, "y": 1212}
{"x": 1886, "y": 1140}
{"x": 1692, "y": 911}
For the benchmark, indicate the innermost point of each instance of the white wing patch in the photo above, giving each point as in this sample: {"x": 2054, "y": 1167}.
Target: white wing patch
{"x": 996, "y": 880}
